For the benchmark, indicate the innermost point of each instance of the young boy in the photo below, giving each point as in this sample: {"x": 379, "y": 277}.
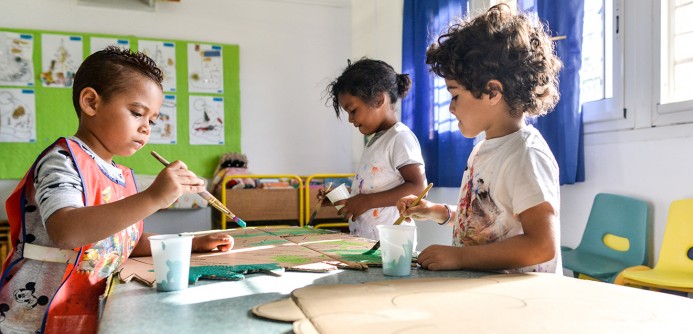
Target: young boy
{"x": 77, "y": 215}
{"x": 498, "y": 67}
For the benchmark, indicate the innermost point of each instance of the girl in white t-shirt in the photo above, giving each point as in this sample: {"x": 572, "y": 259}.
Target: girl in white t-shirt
{"x": 391, "y": 165}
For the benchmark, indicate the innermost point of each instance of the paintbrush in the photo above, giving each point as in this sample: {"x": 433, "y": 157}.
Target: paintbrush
{"x": 401, "y": 218}
{"x": 213, "y": 201}
{"x": 319, "y": 205}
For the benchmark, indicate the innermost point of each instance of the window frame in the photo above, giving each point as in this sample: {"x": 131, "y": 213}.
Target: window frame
{"x": 673, "y": 112}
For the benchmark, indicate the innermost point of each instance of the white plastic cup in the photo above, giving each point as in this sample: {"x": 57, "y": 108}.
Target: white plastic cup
{"x": 396, "y": 247}
{"x": 338, "y": 194}
{"x": 171, "y": 254}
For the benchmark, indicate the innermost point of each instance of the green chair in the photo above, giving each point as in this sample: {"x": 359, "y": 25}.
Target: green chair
{"x": 615, "y": 238}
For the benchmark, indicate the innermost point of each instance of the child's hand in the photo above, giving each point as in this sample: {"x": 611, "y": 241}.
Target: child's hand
{"x": 423, "y": 210}
{"x": 174, "y": 181}
{"x": 322, "y": 197}
{"x": 439, "y": 257}
{"x": 207, "y": 243}
{"x": 353, "y": 206}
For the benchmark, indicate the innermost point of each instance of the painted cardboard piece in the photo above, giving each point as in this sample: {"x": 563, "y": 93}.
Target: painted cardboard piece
{"x": 293, "y": 248}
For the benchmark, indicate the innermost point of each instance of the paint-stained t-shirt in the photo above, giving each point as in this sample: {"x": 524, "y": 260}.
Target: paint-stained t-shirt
{"x": 384, "y": 155}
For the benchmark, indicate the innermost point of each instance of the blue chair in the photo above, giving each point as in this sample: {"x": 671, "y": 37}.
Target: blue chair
{"x": 615, "y": 238}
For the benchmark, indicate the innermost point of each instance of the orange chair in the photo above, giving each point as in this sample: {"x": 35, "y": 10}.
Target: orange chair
{"x": 674, "y": 268}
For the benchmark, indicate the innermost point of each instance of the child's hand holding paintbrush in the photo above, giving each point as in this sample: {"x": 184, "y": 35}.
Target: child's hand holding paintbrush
{"x": 202, "y": 191}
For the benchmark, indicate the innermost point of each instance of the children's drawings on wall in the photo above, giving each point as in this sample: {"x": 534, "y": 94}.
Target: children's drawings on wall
{"x": 164, "y": 54}
{"x": 17, "y": 115}
{"x": 206, "y": 120}
{"x": 61, "y": 56}
{"x": 100, "y": 43}
{"x": 205, "y": 69}
{"x": 164, "y": 130}
{"x": 16, "y": 63}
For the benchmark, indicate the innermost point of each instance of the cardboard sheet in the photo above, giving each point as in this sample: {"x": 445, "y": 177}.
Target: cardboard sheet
{"x": 293, "y": 248}
{"x": 524, "y": 303}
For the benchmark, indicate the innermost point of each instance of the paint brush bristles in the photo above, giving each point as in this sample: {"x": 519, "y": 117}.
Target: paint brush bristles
{"x": 213, "y": 201}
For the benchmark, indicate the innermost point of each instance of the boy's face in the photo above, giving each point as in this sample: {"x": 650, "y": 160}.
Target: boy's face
{"x": 368, "y": 119}
{"x": 468, "y": 109}
{"x": 122, "y": 125}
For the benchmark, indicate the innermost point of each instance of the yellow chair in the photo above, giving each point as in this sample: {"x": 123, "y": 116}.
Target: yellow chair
{"x": 674, "y": 268}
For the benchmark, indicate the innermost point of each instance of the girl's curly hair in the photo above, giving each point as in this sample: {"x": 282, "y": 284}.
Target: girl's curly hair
{"x": 367, "y": 79}
{"x": 509, "y": 48}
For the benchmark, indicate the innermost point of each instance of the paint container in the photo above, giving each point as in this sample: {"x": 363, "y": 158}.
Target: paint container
{"x": 338, "y": 194}
{"x": 171, "y": 254}
{"x": 396, "y": 247}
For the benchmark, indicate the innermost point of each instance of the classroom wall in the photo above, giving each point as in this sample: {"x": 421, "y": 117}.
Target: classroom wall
{"x": 289, "y": 51}
{"x": 285, "y": 63}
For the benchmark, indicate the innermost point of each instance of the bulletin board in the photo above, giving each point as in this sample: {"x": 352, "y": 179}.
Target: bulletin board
{"x": 190, "y": 89}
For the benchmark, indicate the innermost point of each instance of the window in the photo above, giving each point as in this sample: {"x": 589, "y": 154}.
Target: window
{"x": 675, "y": 63}
{"x": 601, "y": 88}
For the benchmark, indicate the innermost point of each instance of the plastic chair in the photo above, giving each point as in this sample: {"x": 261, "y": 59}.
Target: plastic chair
{"x": 615, "y": 238}
{"x": 674, "y": 268}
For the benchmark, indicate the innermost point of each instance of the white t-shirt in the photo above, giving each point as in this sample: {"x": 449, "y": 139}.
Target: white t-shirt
{"x": 504, "y": 177}
{"x": 385, "y": 154}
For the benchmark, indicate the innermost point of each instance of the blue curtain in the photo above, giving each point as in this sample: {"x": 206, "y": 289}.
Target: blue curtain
{"x": 562, "y": 128}
{"x": 445, "y": 152}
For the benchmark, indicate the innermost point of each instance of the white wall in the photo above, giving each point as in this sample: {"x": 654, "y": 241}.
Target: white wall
{"x": 289, "y": 51}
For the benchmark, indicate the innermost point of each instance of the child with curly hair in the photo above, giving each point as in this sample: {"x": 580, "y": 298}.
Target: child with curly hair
{"x": 500, "y": 69}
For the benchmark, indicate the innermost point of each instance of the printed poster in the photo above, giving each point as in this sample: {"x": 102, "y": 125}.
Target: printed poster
{"x": 164, "y": 130}
{"x": 16, "y": 61}
{"x": 205, "y": 69}
{"x": 100, "y": 43}
{"x": 61, "y": 56}
{"x": 164, "y": 55}
{"x": 17, "y": 115}
{"x": 206, "y": 120}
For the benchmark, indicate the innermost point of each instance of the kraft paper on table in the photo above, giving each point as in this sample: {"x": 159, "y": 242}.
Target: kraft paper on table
{"x": 293, "y": 248}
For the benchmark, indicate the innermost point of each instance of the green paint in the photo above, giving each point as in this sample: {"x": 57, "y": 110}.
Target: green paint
{"x": 270, "y": 242}
{"x": 343, "y": 244}
{"x": 250, "y": 235}
{"x": 358, "y": 256}
{"x": 295, "y": 259}
{"x": 298, "y": 231}
{"x": 232, "y": 273}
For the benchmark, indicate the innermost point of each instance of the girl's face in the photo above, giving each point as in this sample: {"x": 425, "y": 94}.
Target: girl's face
{"x": 469, "y": 110}
{"x": 367, "y": 118}
{"x": 122, "y": 125}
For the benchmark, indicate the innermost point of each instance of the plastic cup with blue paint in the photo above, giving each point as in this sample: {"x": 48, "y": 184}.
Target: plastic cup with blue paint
{"x": 171, "y": 254}
{"x": 396, "y": 247}
{"x": 338, "y": 194}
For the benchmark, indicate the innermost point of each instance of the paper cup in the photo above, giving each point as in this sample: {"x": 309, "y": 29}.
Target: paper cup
{"x": 396, "y": 247}
{"x": 338, "y": 194}
{"x": 171, "y": 254}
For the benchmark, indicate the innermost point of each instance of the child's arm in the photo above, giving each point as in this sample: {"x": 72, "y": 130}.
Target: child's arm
{"x": 536, "y": 245}
{"x": 414, "y": 183}
{"x": 72, "y": 227}
{"x": 200, "y": 244}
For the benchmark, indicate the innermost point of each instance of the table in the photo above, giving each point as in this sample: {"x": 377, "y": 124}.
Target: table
{"x": 224, "y": 306}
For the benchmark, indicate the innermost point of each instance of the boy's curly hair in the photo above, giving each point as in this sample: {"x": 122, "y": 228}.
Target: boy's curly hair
{"x": 111, "y": 71}
{"x": 509, "y": 48}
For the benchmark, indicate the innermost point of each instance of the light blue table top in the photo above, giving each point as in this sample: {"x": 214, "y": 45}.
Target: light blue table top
{"x": 224, "y": 306}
